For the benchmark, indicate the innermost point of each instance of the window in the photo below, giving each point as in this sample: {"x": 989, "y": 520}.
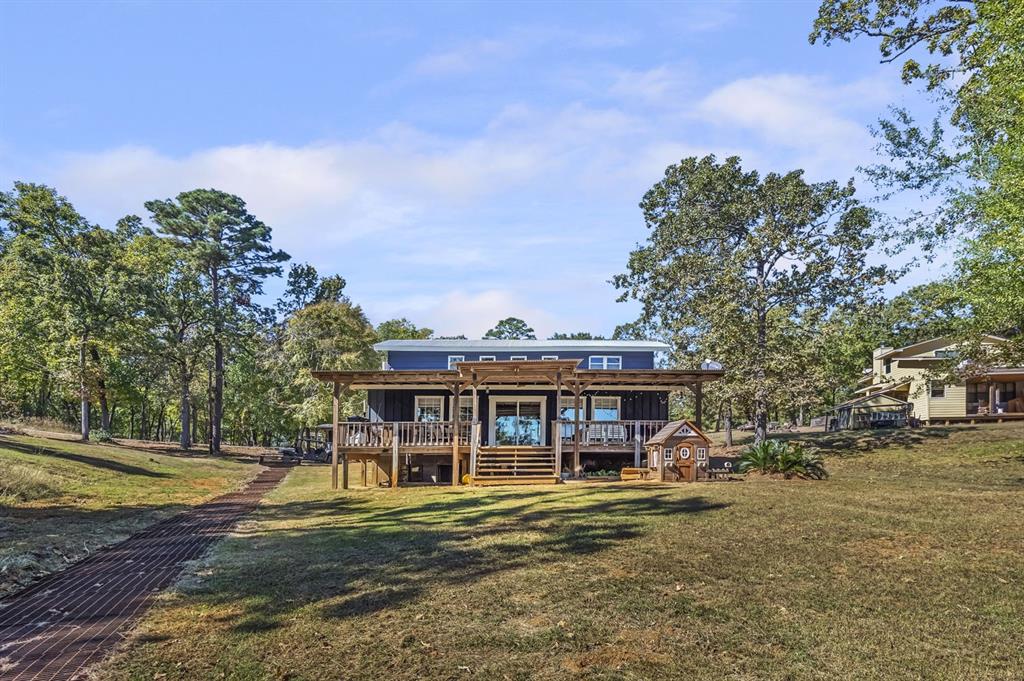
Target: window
{"x": 605, "y": 362}
{"x": 549, "y": 356}
{"x": 684, "y": 453}
{"x": 567, "y": 410}
{"x": 465, "y": 408}
{"x": 606, "y": 408}
{"x": 946, "y": 354}
{"x": 518, "y": 358}
{"x": 938, "y": 389}
{"x": 452, "y": 359}
{"x": 702, "y": 454}
{"x": 888, "y": 365}
{"x": 486, "y": 358}
{"x": 428, "y": 408}
{"x": 668, "y": 453}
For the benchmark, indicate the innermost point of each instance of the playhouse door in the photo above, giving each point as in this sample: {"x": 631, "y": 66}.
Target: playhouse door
{"x": 685, "y": 463}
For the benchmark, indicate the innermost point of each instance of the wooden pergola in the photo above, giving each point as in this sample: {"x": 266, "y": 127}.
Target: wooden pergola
{"x": 561, "y": 374}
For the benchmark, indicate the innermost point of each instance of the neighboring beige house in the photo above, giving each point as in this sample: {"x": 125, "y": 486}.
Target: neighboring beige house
{"x": 902, "y": 373}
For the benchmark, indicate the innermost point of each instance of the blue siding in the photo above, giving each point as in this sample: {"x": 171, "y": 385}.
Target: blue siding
{"x": 422, "y": 359}
{"x": 397, "y": 405}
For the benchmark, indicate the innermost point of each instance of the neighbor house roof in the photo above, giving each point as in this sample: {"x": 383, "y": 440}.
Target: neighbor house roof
{"x": 881, "y": 397}
{"x": 535, "y": 345}
{"x": 899, "y": 351}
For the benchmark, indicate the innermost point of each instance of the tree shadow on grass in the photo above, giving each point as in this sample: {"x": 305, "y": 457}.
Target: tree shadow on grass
{"x": 855, "y": 442}
{"x": 369, "y": 559}
{"x": 95, "y": 461}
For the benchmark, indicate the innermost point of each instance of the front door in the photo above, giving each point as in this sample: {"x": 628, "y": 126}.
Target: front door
{"x": 516, "y": 421}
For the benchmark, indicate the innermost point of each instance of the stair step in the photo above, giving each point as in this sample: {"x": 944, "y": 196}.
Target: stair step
{"x": 520, "y": 480}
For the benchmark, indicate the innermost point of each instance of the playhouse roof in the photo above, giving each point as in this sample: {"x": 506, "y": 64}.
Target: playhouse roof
{"x": 679, "y": 428}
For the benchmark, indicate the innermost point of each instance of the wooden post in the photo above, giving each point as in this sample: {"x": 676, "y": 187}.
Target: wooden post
{"x": 474, "y": 436}
{"x": 394, "y": 457}
{"x": 576, "y": 431}
{"x": 698, "y": 392}
{"x": 636, "y": 444}
{"x": 456, "y": 389}
{"x": 556, "y": 429}
{"x": 336, "y": 435}
{"x": 991, "y": 399}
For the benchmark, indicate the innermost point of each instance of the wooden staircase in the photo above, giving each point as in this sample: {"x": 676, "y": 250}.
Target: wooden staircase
{"x": 515, "y": 466}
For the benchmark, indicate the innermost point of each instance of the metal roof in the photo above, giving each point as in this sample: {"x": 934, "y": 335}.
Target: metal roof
{"x": 535, "y": 345}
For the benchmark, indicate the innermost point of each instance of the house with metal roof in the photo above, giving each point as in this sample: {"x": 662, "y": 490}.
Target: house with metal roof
{"x": 504, "y": 411}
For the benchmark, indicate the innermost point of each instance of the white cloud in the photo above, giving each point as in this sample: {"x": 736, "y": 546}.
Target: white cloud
{"x": 808, "y": 115}
{"x": 513, "y": 44}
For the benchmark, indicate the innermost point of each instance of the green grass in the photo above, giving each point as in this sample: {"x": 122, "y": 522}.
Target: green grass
{"x": 61, "y": 500}
{"x": 905, "y": 564}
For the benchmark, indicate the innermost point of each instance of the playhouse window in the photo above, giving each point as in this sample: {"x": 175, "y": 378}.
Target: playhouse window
{"x": 668, "y": 453}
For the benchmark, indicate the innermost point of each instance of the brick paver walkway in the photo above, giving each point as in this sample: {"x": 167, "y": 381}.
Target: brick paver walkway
{"x": 66, "y": 621}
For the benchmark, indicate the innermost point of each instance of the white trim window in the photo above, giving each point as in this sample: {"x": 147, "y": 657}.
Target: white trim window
{"x": 937, "y": 389}
{"x": 702, "y": 454}
{"x": 668, "y": 454}
{"x": 517, "y": 358}
{"x": 428, "y": 408}
{"x": 487, "y": 358}
{"x": 567, "y": 410}
{"x": 452, "y": 359}
{"x": 606, "y": 408}
{"x": 549, "y": 356}
{"x": 465, "y": 408}
{"x": 605, "y": 362}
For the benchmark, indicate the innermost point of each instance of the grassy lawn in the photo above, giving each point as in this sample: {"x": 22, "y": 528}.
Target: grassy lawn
{"x": 60, "y": 500}
{"x": 907, "y": 564}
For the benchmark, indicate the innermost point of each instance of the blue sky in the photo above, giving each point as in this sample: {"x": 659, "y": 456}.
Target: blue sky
{"x": 457, "y": 163}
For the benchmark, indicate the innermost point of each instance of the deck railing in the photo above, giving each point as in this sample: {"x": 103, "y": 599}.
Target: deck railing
{"x": 609, "y": 433}
{"x": 381, "y": 434}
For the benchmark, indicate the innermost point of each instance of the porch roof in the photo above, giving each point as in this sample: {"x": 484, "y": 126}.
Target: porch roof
{"x": 529, "y": 372}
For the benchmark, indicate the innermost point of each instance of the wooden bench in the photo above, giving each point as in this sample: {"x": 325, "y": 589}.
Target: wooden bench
{"x": 630, "y": 473}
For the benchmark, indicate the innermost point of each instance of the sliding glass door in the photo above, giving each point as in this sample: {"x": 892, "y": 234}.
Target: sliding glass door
{"x": 517, "y": 421}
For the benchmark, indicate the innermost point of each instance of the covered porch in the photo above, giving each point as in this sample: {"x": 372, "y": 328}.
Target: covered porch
{"x": 534, "y": 428}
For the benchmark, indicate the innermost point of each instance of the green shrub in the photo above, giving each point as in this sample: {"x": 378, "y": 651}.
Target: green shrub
{"x": 100, "y": 436}
{"x": 773, "y": 457}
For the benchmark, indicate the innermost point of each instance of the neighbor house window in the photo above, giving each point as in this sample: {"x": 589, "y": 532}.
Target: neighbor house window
{"x": 452, "y": 359}
{"x": 486, "y": 358}
{"x": 567, "y": 410}
{"x": 549, "y": 356}
{"x": 938, "y": 389}
{"x": 888, "y": 365}
{"x": 518, "y": 358}
{"x": 946, "y": 354}
{"x": 606, "y": 408}
{"x": 605, "y": 362}
{"x": 428, "y": 408}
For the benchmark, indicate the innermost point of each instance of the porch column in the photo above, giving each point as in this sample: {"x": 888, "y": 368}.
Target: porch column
{"x": 456, "y": 388}
{"x": 335, "y": 435}
{"x": 991, "y": 398}
{"x": 394, "y": 457}
{"x": 474, "y": 435}
{"x": 698, "y": 412}
{"x": 556, "y": 431}
{"x": 576, "y": 430}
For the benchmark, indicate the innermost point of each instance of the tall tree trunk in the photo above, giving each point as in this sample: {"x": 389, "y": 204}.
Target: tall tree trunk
{"x": 728, "y": 424}
{"x": 143, "y": 425}
{"x": 186, "y": 408}
{"x": 44, "y": 394}
{"x": 131, "y": 423}
{"x": 83, "y": 389}
{"x": 101, "y": 384}
{"x": 760, "y": 393}
{"x": 218, "y": 365}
